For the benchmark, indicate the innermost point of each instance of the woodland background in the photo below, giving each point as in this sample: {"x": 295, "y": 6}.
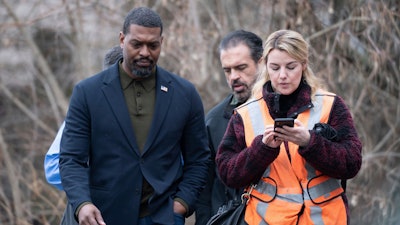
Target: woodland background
{"x": 46, "y": 46}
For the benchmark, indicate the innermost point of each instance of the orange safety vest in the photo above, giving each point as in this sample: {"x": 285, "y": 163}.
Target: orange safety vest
{"x": 292, "y": 192}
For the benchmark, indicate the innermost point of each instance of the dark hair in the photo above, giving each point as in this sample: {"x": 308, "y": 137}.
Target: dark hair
{"x": 250, "y": 39}
{"x": 142, "y": 16}
{"x": 112, "y": 56}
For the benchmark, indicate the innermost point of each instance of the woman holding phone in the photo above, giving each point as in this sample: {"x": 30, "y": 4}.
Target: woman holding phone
{"x": 299, "y": 172}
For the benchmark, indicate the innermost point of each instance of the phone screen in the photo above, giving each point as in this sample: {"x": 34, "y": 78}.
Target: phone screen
{"x": 280, "y": 122}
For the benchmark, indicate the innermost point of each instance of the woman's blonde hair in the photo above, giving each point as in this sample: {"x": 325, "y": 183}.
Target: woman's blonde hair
{"x": 294, "y": 44}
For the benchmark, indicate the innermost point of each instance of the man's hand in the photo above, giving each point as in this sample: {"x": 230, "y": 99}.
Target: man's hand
{"x": 89, "y": 214}
{"x": 179, "y": 208}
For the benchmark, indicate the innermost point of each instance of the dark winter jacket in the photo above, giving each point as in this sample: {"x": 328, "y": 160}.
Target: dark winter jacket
{"x": 215, "y": 193}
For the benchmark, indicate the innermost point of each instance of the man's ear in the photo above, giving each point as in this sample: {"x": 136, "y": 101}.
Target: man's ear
{"x": 261, "y": 60}
{"x": 121, "y": 39}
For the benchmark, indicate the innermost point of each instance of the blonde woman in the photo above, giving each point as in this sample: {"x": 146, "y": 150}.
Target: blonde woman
{"x": 299, "y": 172}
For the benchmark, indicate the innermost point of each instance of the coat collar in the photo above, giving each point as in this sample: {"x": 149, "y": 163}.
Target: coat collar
{"x": 301, "y": 103}
{"x": 116, "y": 100}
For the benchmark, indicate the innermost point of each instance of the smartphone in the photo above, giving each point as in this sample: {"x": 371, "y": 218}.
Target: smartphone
{"x": 280, "y": 122}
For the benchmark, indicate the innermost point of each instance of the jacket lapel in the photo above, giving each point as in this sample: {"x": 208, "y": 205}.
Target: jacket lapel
{"x": 164, "y": 93}
{"x": 116, "y": 100}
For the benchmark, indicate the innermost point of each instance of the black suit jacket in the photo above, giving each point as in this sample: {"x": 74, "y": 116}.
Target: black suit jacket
{"x": 215, "y": 193}
{"x": 100, "y": 161}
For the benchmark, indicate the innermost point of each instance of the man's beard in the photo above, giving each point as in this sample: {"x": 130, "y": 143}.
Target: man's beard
{"x": 242, "y": 96}
{"x": 140, "y": 71}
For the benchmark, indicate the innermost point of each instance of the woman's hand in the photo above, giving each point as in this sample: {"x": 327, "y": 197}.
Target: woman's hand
{"x": 298, "y": 134}
{"x": 269, "y": 137}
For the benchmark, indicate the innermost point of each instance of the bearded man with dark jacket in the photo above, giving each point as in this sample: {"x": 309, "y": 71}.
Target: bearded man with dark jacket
{"x": 240, "y": 52}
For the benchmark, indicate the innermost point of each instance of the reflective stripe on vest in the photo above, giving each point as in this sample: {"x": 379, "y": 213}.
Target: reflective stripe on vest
{"x": 290, "y": 186}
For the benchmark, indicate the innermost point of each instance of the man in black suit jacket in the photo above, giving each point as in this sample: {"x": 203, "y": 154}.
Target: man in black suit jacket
{"x": 51, "y": 160}
{"x": 134, "y": 147}
{"x": 240, "y": 52}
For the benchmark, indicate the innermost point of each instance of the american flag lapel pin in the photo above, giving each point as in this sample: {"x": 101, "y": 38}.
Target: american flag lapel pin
{"x": 163, "y": 88}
